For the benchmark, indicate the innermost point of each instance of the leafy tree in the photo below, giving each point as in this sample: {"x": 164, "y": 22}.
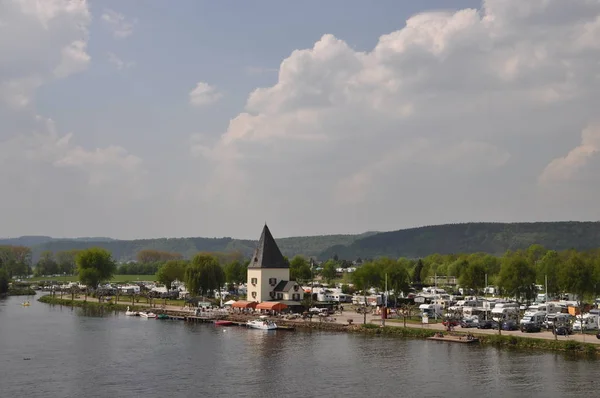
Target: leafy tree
{"x": 577, "y": 276}
{"x": 46, "y": 265}
{"x": 204, "y": 275}
{"x": 300, "y": 269}
{"x": 170, "y": 271}
{"x": 517, "y": 277}
{"x": 3, "y": 281}
{"x": 66, "y": 261}
{"x": 235, "y": 272}
{"x": 397, "y": 277}
{"x": 95, "y": 265}
{"x": 548, "y": 267}
{"x": 364, "y": 278}
{"x": 416, "y": 277}
{"x": 329, "y": 271}
{"x": 473, "y": 276}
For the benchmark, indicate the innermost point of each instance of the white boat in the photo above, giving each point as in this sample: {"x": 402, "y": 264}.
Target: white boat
{"x": 147, "y": 314}
{"x": 131, "y": 313}
{"x": 262, "y": 324}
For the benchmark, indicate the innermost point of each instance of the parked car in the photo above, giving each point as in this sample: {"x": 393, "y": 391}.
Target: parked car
{"x": 469, "y": 323}
{"x": 510, "y": 325}
{"x": 487, "y": 324}
{"x": 563, "y": 330}
{"x": 450, "y": 321}
{"x": 531, "y": 327}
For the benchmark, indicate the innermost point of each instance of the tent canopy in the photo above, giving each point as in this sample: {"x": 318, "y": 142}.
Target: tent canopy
{"x": 271, "y": 306}
{"x": 244, "y": 304}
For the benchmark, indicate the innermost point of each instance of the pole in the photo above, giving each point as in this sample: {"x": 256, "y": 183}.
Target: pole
{"x": 546, "y": 281}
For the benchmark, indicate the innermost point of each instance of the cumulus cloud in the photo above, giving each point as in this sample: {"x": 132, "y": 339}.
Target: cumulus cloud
{"x": 438, "y": 122}
{"x": 576, "y": 164}
{"x": 53, "y": 183}
{"x": 204, "y": 94}
{"x": 118, "y": 24}
{"x": 29, "y": 38}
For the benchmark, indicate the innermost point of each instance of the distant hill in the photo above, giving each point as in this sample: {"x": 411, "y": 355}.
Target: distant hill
{"x": 124, "y": 250}
{"x": 493, "y": 238}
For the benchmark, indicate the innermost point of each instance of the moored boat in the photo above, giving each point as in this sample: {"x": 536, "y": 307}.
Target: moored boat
{"x": 223, "y": 323}
{"x": 144, "y": 314}
{"x": 162, "y": 316}
{"x": 262, "y": 323}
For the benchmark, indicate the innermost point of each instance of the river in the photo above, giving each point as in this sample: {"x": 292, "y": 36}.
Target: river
{"x": 54, "y": 351}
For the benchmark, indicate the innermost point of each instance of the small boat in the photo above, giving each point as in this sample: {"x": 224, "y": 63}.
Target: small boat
{"x": 162, "y": 316}
{"x": 223, "y": 323}
{"x": 131, "y": 313}
{"x": 262, "y": 323}
{"x": 144, "y": 314}
{"x": 26, "y": 304}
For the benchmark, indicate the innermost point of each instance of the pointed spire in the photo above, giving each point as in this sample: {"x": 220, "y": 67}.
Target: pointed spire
{"x": 267, "y": 254}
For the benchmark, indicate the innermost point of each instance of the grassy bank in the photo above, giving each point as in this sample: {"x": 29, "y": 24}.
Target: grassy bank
{"x": 48, "y": 299}
{"x": 75, "y": 278}
{"x": 501, "y": 341}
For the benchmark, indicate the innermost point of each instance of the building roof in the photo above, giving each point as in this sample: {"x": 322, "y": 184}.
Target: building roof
{"x": 267, "y": 254}
{"x": 244, "y": 304}
{"x": 285, "y": 286}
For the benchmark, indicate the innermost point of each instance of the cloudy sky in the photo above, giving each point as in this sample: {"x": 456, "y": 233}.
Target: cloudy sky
{"x": 208, "y": 118}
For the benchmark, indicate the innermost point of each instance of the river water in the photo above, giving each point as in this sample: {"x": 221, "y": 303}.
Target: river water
{"x": 54, "y": 351}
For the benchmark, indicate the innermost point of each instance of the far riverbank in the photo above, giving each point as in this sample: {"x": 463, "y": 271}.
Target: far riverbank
{"x": 577, "y": 344}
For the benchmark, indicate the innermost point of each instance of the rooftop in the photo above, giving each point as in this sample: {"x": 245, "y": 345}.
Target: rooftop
{"x": 267, "y": 254}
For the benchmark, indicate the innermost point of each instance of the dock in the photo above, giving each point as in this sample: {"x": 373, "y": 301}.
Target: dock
{"x": 455, "y": 339}
{"x": 211, "y": 318}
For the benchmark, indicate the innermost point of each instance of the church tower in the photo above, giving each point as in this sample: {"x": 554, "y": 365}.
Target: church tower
{"x": 267, "y": 269}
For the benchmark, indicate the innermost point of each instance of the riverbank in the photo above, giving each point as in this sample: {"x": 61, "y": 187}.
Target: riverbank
{"x": 568, "y": 344}
{"x": 27, "y": 291}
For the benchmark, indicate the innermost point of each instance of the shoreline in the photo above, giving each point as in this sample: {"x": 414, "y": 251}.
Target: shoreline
{"x": 507, "y": 341}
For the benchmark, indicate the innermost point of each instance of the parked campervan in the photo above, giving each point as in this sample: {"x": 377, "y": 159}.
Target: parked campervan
{"x": 587, "y": 322}
{"x": 432, "y": 310}
{"x": 502, "y": 311}
{"x": 533, "y": 317}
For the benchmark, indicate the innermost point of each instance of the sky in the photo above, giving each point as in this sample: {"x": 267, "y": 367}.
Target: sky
{"x": 143, "y": 119}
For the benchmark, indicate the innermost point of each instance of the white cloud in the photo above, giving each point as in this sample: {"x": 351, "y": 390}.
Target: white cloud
{"x": 51, "y": 181}
{"x": 445, "y": 116}
{"x": 119, "y": 25}
{"x": 39, "y": 42}
{"x": 118, "y": 63}
{"x": 573, "y": 166}
{"x": 204, "y": 94}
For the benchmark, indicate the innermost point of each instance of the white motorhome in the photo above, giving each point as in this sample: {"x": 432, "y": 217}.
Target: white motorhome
{"x": 533, "y": 317}
{"x": 502, "y": 311}
{"x": 432, "y": 310}
{"x": 587, "y": 322}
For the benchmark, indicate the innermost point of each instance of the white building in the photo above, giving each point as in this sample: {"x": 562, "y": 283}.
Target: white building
{"x": 269, "y": 273}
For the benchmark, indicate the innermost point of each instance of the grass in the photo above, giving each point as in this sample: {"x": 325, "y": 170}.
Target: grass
{"x": 73, "y": 278}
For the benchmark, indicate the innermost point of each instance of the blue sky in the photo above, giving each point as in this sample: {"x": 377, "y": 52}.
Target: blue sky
{"x": 485, "y": 115}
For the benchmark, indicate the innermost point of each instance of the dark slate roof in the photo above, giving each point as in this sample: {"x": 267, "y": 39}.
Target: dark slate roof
{"x": 267, "y": 254}
{"x": 285, "y": 286}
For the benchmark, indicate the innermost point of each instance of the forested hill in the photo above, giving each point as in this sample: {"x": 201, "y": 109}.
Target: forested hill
{"x": 493, "y": 238}
{"x": 124, "y": 250}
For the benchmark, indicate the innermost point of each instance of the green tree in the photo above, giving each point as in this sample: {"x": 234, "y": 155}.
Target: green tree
{"x": 46, "y": 265}
{"x": 517, "y": 277}
{"x": 548, "y": 267}
{"x": 170, "y": 271}
{"x": 300, "y": 269}
{"x": 235, "y": 272}
{"x": 473, "y": 276}
{"x": 329, "y": 271}
{"x": 3, "y": 281}
{"x": 365, "y": 277}
{"x": 397, "y": 277}
{"x": 66, "y": 261}
{"x": 577, "y": 277}
{"x": 204, "y": 275}
{"x": 95, "y": 265}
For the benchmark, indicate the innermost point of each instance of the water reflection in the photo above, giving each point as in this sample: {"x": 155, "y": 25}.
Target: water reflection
{"x": 97, "y": 354}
